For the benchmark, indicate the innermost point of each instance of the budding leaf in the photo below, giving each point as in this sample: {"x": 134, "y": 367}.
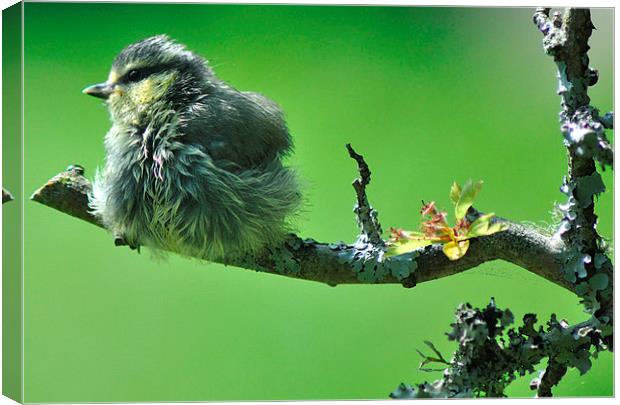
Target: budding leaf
{"x": 435, "y": 228}
{"x": 455, "y": 193}
{"x": 483, "y": 226}
{"x": 466, "y": 199}
{"x": 455, "y": 249}
{"x": 404, "y": 241}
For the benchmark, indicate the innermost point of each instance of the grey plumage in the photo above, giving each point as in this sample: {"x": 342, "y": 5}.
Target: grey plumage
{"x": 193, "y": 165}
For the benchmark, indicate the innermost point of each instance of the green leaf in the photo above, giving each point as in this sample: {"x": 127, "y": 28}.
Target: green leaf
{"x": 405, "y": 244}
{"x": 466, "y": 199}
{"x": 483, "y": 226}
{"x": 455, "y": 193}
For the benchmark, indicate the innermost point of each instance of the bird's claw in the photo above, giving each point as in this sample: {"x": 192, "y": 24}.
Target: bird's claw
{"x": 120, "y": 241}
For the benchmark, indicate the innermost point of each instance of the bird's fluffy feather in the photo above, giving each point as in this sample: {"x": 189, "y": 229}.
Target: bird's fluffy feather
{"x": 196, "y": 168}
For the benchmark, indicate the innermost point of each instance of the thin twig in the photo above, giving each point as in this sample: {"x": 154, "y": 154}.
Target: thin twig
{"x": 367, "y": 217}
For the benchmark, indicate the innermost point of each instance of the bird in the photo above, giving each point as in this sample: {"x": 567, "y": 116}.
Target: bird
{"x": 193, "y": 165}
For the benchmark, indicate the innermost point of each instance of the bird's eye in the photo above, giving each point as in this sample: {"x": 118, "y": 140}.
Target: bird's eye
{"x": 134, "y": 76}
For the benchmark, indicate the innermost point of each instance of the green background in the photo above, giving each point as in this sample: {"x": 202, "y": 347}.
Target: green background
{"x": 428, "y": 95}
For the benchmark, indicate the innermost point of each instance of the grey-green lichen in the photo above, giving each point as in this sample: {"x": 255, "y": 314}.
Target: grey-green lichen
{"x": 371, "y": 265}
{"x": 584, "y": 132}
{"x": 284, "y": 260}
{"x": 490, "y": 355}
{"x": 481, "y": 365}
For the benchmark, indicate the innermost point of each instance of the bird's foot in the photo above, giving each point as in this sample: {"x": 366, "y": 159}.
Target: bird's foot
{"x": 119, "y": 240}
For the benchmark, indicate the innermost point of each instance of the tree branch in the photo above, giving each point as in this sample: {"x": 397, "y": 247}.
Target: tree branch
{"x": 566, "y": 40}
{"x": 340, "y": 263}
{"x": 489, "y": 356}
{"x": 607, "y": 120}
{"x": 551, "y": 376}
{"x": 368, "y": 222}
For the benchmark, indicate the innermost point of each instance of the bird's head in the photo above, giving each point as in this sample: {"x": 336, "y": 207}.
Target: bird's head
{"x": 150, "y": 75}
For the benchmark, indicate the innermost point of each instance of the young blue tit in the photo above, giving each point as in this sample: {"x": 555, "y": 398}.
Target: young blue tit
{"x": 193, "y": 165}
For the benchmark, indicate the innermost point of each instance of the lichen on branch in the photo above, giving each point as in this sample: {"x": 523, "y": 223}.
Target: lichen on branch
{"x": 491, "y": 354}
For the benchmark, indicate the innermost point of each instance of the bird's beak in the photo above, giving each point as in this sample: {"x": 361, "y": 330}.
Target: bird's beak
{"x": 101, "y": 90}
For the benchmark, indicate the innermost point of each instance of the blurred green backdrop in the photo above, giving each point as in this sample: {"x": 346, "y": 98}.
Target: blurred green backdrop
{"x": 428, "y": 95}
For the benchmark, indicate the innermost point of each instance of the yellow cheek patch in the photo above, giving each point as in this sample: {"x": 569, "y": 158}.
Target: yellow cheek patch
{"x": 142, "y": 93}
{"x": 151, "y": 89}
